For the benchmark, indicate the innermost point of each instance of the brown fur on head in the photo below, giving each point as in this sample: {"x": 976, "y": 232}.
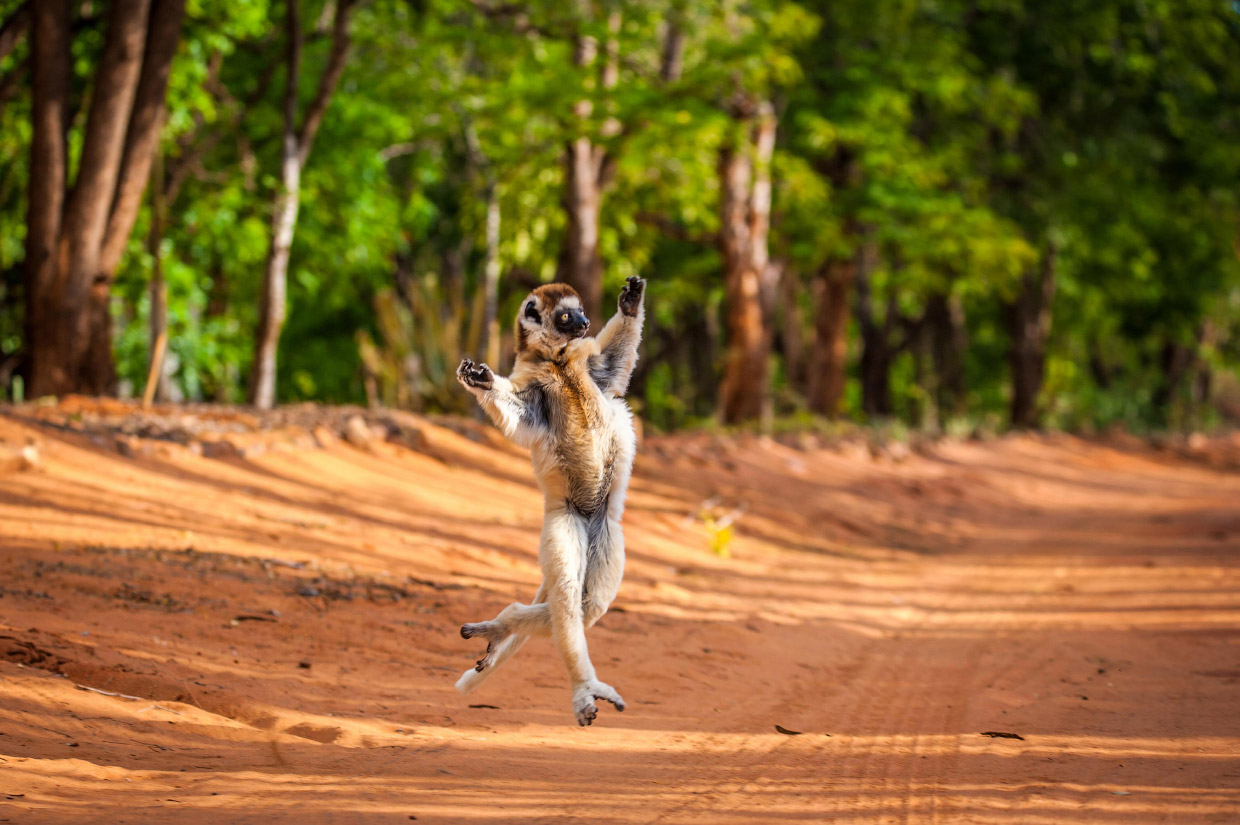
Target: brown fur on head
{"x": 549, "y": 318}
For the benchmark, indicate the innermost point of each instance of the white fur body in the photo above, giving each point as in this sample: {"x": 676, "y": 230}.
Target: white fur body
{"x": 564, "y": 401}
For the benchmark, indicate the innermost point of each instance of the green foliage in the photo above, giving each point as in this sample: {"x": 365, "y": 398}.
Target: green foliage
{"x": 963, "y": 138}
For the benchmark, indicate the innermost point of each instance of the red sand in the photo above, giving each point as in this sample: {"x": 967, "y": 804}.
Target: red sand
{"x": 284, "y": 629}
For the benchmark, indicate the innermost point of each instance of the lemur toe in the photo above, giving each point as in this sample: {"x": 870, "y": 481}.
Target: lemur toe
{"x": 614, "y": 698}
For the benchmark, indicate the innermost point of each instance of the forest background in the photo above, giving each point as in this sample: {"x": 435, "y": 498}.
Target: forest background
{"x": 941, "y": 214}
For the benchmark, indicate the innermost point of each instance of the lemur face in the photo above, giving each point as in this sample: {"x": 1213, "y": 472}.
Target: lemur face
{"x": 550, "y": 317}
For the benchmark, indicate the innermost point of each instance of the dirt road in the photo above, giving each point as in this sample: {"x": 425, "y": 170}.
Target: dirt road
{"x": 273, "y": 638}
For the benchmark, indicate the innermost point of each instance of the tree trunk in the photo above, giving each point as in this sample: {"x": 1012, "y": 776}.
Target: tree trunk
{"x": 271, "y": 307}
{"x": 142, "y": 138}
{"x": 295, "y": 151}
{"x": 877, "y": 350}
{"x": 158, "y": 319}
{"x": 580, "y": 265}
{"x": 1099, "y": 368}
{"x": 672, "y": 60}
{"x": 1202, "y": 378}
{"x": 69, "y": 325}
{"x": 945, "y": 323}
{"x": 1029, "y": 325}
{"x": 829, "y": 356}
{"x": 1175, "y": 361}
{"x": 790, "y": 324}
{"x": 745, "y": 196}
{"x": 490, "y": 317}
{"x": 223, "y": 383}
{"x": 51, "y": 372}
{"x": 586, "y": 175}
{"x": 84, "y": 314}
{"x": 489, "y": 340}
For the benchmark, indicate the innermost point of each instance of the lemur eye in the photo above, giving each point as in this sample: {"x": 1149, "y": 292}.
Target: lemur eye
{"x": 531, "y": 312}
{"x": 563, "y": 316}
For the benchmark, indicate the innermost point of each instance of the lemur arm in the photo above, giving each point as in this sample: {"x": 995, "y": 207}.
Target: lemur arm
{"x": 612, "y": 367}
{"x": 520, "y": 412}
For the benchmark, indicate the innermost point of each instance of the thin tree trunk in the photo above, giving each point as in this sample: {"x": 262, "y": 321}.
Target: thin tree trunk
{"x": 271, "y": 309}
{"x": 829, "y": 356}
{"x": 51, "y": 71}
{"x": 791, "y": 327}
{"x": 580, "y": 265}
{"x": 946, "y": 328}
{"x": 1202, "y": 378}
{"x": 744, "y": 226}
{"x": 586, "y": 175}
{"x": 1098, "y": 366}
{"x": 1175, "y": 361}
{"x": 877, "y": 351}
{"x": 295, "y": 151}
{"x": 158, "y": 320}
{"x": 490, "y": 317}
{"x": 142, "y": 138}
{"x": 672, "y": 61}
{"x": 1029, "y": 325}
{"x": 480, "y": 165}
{"x": 217, "y": 307}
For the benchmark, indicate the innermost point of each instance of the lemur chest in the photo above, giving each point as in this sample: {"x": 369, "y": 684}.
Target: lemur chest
{"x": 588, "y": 438}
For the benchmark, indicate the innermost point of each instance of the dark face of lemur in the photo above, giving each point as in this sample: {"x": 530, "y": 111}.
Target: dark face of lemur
{"x": 550, "y": 317}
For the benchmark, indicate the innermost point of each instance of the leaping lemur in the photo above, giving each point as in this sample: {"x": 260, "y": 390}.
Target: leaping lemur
{"x": 565, "y": 402}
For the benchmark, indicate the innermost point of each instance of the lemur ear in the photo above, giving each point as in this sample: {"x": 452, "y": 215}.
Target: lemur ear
{"x": 531, "y": 312}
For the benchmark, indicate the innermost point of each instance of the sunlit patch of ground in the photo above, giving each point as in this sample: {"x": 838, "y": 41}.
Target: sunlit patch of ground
{"x": 271, "y": 635}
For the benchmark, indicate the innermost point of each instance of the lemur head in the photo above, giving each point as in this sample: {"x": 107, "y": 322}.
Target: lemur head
{"x": 550, "y": 317}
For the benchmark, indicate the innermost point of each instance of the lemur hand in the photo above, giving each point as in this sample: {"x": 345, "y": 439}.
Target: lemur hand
{"x": 631, "y": 296}
{"x": 478, "y": 376}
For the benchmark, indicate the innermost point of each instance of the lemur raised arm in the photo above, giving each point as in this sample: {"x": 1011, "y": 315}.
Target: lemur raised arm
{"x": 565, "y": 401}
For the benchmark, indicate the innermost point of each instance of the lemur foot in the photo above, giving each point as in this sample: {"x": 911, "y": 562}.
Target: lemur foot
{"x": 493, "y": 632}
{"x": 584, "y": 696}
{"x": 478, "y": 376}
{"x": 631, "y": 296}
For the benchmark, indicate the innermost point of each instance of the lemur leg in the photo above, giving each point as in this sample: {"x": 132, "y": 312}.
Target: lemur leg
{"x": 563, "y": 555}
{"x": 504, "y": 636}
{"x": 605, "y": 569}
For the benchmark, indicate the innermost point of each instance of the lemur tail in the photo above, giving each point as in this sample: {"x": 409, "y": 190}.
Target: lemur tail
{"x": 472, "y": 679}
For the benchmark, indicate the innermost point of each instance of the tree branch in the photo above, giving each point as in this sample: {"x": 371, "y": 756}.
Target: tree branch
{"x": 515, "y": 15}
{"x": 672, "y": 61}
{"x": 328, "y": 82}
{"x": 141, "y": 142}
{"x": 14, "y": 29}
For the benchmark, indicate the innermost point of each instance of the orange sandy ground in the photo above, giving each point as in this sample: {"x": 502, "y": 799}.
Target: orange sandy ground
{"x": 1085, "y": 597}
